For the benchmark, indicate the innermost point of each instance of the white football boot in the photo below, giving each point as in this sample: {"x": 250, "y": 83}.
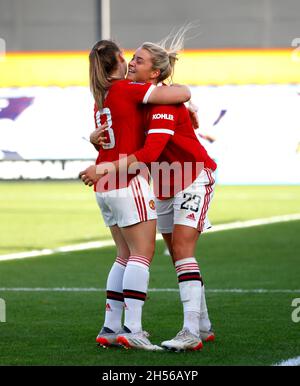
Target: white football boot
{"x": 107, "y": 337}
{"x": 137, "y": 340}
{"x": 183, "y": 341}
{"x": 207, "y": 336}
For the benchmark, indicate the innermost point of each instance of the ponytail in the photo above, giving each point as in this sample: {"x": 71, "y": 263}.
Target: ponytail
{"x": 164, "y": 54}
{"x": 103, "y": 61}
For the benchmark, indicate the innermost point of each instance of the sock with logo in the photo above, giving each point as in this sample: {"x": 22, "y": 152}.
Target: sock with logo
{"x": 190, "y": 287}
{"x": 114, "y": 295}
{"x": 135, "y": 286}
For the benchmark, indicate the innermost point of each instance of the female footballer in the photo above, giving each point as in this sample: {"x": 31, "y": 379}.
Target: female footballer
{"x": 182, "y": 201}
{"x": 126, "y": 205}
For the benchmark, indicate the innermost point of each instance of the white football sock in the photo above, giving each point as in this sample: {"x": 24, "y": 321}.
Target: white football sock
{"x": 205, "y": 324}
{"x": 114, "y": 295}
{"x": 135, "y": 286}
{"x": 190, "y": 287}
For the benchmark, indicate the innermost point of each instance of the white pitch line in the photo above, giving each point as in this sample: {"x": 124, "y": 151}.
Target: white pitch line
{"x": 289, "y": 362}
{"x": 110, "y": 243}
{"x": 66, "y": 248}
{"x": 255, "y": 222}
{"x": 92, "y": 289}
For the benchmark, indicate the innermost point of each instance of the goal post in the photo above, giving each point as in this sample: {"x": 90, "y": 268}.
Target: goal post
{"x": 103, "y": 11}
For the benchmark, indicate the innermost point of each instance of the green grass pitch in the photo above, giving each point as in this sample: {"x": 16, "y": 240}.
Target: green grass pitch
{"x": 59, "y": 328}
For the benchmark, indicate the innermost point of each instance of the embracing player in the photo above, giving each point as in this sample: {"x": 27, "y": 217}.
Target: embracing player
{"x": 182, "y": 200}
{"x": 126, "y": 205}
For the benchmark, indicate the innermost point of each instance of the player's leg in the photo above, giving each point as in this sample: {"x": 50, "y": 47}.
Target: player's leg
{"x": 190, "y": 287}
{"x": 121, "y": 245}
{"x": 114, "y": 285}
{"x": 165, "y": 219}
{"x": 114, "y": 292}
{"x": 165, "y": 212}
{"x": 206, "y": 332}
{"x": 135, "y": 283}
{"x": 190, "y": 207}
{"x": 168, "y": 241}
{"x": 136, "y": 218}
{"x": 140, "y": 239}
{"x": 136, "y": 276}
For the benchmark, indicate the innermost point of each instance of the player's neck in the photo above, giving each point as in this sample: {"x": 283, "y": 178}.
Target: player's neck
{"x": 118, "y": 74}
{"x": 114, "y": 77}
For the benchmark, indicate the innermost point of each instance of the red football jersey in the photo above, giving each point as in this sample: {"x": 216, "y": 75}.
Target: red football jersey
{"x": 122, "y": 111}
{"x": 171, "y": 140}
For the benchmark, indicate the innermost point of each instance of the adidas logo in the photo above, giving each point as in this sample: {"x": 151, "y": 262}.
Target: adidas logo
{"x": 108, "y": 308}
{"x": 191, "y": 216}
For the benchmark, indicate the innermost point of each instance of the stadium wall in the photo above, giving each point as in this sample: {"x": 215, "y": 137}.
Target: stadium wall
{"x": 41, "y": 25}
{"x": 209, "y": 67}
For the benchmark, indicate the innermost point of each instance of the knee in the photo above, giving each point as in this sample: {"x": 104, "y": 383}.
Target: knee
{"x": 149, "y": 252}
{"x": 182, "y": 249}
{"x": 124, "y": 253}
{"x": 179, "y": 250}
{"x": 144, "y": 250}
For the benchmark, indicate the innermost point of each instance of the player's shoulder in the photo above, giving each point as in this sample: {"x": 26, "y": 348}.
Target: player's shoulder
{"x": 117, "y": 84}
{"x": 118, "y": 89}
{"x": 129, "y": 84}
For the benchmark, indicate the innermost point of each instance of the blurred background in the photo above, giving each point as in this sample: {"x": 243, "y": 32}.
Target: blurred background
{"x": 73, "y": 25}
{"x": 242, "y": 62}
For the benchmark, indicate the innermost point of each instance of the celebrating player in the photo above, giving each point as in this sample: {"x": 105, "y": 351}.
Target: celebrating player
{"x": 130, "y": 213}
{"x": 182, "y": 201}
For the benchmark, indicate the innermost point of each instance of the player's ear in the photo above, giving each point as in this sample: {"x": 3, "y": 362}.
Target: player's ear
{"x": 155, "y": 74}
{"x": 121, "y": 57}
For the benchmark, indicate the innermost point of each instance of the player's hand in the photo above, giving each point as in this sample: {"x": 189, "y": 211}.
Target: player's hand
{"x": 193, "y": 115}
{"x": 97, "y": 137}
{"x": 89, "y": 176}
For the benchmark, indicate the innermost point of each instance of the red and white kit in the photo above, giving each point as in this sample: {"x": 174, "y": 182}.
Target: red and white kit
{"x": 182, "y": 197}
{"x": 129, "y": 201}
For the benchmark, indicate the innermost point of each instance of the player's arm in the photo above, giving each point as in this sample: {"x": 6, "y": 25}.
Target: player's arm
{"x": 192, "y": 109}
{"x": 89, "y": 175}
{"x": 149, "y": 93}
{"x": 93, "y": 173}
{"x": 97, "y": 137}
{"x": 161, "y": 128}
{"x": 169, "y": 94}
{"x": 153, "y": 147}
{"x": 94, "y": 141}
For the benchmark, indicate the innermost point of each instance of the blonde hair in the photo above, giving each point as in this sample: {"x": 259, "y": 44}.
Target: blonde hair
{"x": 164, "y": 54}
{"x": 102, "y": 62}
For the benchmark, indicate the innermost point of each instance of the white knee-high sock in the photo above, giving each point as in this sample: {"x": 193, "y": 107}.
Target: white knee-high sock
{"x": 135, "y": 286}
{"x": 114, "y": 295}
{"x": 205, "y": 324}
{"x": 190, "y": 287}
